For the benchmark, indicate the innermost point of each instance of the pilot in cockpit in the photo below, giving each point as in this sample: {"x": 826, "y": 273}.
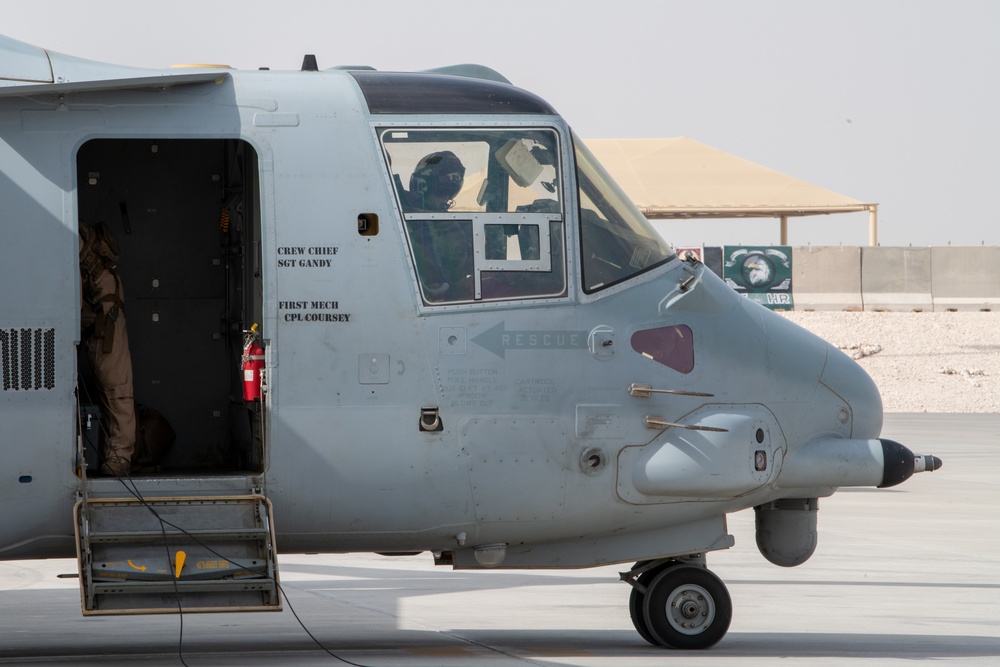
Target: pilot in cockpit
{"x": 443, "y": 248}
{"x": 435, "y": 182}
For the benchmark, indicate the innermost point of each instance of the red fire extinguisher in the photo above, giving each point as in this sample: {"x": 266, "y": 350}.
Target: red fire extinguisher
{"x": 253, "y": 364}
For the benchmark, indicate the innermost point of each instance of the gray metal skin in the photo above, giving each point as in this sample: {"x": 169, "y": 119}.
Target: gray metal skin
{"x": 551, "y": 465}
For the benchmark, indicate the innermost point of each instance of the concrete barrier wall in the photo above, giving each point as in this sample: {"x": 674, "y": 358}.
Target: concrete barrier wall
{"x": 827, "y": 278}
{"x": 896, "y": 279}
{"x": 965, "y": 278}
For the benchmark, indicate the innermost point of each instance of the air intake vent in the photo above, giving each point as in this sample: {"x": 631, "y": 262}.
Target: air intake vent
{"x": 29, "y": 359}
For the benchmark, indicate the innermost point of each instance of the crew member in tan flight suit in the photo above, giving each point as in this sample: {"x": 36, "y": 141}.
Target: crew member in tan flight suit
{"x": 102, "y": 320}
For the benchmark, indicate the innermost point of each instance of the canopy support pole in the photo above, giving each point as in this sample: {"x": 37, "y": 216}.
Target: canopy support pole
{"x": 873, "y": 225}
{"x": 784, "y": 230}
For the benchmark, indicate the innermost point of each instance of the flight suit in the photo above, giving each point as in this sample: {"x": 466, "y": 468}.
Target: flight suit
{"x": 102, "y": 320}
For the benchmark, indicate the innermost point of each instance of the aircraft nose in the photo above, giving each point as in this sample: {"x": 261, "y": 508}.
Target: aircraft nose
{"x": 799, "y": 361}
{"x": 846, "y": 378}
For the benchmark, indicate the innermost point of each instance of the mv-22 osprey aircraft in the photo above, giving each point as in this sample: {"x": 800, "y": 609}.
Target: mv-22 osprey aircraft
{"x": 471, "y": 343}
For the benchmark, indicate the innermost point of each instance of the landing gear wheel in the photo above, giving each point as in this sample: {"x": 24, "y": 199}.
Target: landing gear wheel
{"x": 636, "y": 601}
{"x": 687, "y": 608}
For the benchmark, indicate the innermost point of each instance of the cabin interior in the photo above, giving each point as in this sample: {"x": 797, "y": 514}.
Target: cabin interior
{"x": 186, "y": 215}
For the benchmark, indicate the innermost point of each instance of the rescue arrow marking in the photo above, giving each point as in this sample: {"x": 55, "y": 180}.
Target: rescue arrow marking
{"x": 498, "y": 340}
{"x": 136, "y": 567}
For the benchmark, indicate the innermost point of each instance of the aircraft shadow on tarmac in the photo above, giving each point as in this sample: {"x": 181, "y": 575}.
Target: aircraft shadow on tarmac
{"x": 356, "y": 611}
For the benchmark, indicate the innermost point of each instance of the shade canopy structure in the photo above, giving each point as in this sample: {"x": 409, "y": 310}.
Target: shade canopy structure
{"x": 683, "y": 178}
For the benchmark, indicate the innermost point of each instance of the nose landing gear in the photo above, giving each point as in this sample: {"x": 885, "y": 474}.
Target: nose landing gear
{"x": 678, "y": 605}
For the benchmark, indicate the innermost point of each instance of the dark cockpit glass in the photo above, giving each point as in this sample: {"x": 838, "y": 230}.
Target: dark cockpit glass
{"x": 672, "y": 346}
{"x": 617, "y": 242}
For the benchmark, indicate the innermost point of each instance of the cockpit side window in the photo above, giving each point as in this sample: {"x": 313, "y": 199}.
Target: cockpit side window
{"x": 482, "y": 211}
{"x": 672, "y": 346}
{"x": 617, "y": 242}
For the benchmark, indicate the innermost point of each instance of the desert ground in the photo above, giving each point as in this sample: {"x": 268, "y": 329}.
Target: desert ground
{"x": 921, "y": 362}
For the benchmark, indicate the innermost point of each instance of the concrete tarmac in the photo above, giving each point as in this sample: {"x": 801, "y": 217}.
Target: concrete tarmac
{"x": 900, "y": 575}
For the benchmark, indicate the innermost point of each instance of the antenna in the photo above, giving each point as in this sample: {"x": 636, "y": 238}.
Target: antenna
{"x": 309, "y": 63}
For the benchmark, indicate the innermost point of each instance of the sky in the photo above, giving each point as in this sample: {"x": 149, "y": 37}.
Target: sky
{"x": 894, "y": 102}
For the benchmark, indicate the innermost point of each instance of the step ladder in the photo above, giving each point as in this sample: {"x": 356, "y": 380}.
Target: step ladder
{"x": 170, "y": 555}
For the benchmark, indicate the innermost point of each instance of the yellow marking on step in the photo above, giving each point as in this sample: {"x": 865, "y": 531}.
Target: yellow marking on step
{"x": 179, "y": 559}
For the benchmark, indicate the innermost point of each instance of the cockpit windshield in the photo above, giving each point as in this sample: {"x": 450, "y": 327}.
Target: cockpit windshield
{"x": 617, "y": 241}
{"x": 483, "y": 209}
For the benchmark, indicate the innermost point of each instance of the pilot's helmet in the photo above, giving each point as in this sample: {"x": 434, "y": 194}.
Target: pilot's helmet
{"x": 437, "y": 176}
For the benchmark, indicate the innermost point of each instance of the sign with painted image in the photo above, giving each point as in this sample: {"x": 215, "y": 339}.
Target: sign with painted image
{"x": 761, "y": 273}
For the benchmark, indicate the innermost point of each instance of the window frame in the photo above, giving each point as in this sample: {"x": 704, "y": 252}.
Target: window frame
{"x": 550, "y": 226}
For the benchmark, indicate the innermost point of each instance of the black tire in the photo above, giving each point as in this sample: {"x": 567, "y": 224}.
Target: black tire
{"x": 636, "y": 601}
{"x": 636, "y": 607}
{"x": 687, "y": 607}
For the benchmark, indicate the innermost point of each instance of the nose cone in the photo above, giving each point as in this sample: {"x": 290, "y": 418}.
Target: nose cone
{"x": 844, "y": 377}
{"x": 806, "y": 369}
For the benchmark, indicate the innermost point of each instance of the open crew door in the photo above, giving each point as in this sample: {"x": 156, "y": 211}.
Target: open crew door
{"x": 191, "y": 528}
{"x": 186, "y": 217}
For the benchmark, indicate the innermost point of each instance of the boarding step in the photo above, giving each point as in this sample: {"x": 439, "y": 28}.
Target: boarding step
{"x": 170, "y": 555}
